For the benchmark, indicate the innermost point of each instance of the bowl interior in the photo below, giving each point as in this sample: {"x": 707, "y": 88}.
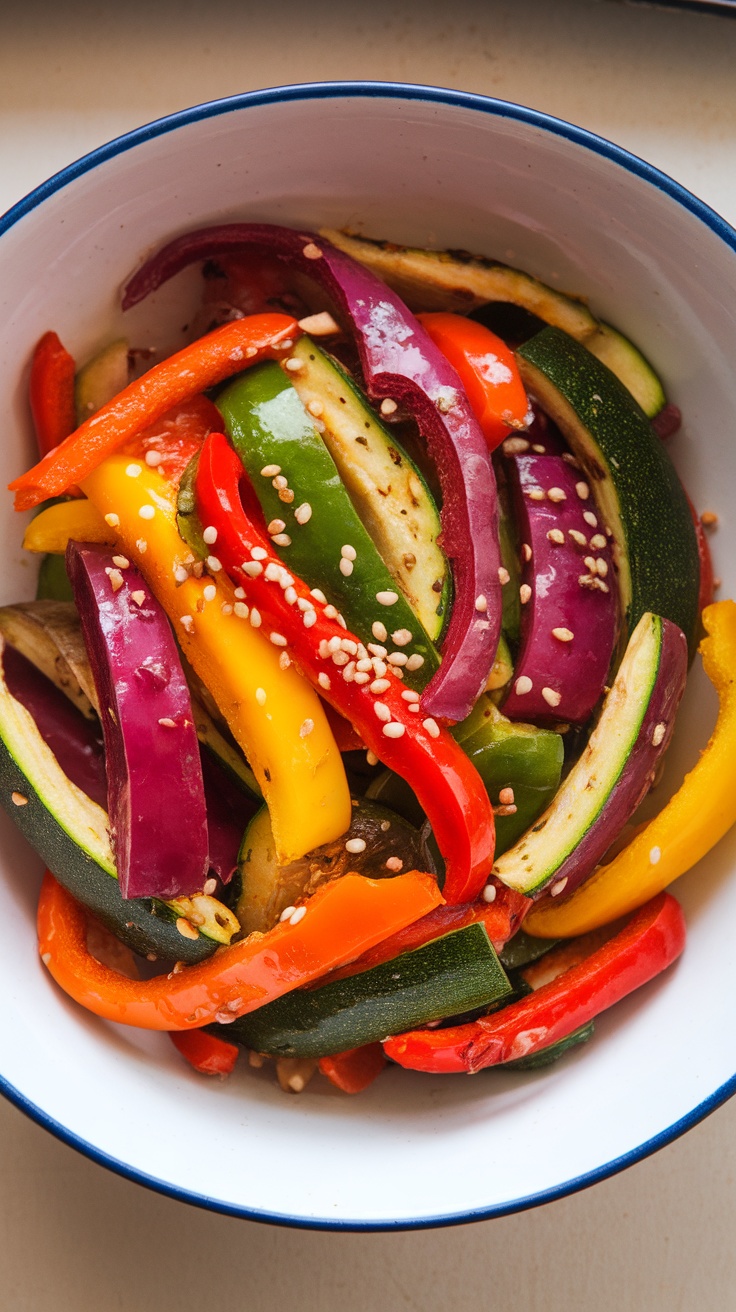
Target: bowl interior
{"x": 438, "y": 170}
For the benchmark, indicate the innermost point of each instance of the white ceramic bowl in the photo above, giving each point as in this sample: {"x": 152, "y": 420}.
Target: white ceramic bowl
{"x": 427, "y": 167}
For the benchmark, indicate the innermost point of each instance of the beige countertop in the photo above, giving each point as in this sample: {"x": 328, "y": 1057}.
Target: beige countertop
{"x": 73, "y": 1237}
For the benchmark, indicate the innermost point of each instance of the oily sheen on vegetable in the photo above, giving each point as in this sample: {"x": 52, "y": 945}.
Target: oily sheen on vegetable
{"x": 401, "y": 365}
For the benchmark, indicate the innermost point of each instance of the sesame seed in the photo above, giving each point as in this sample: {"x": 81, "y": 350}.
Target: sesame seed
{"x": 361, "y": 677}
{"x": 347, "y": 644}
{"x": 138, "y": 596}
{"x": 563, "y": 635}
{"x": 382, "y": 711}
{"x": 116, "y": 579}
{"x": 503, "y": 575}
{"x": 558, "y": 887}
{"x": 324, "y": 681}
{"x": 526, "y": 552}
{"x": 506, "y": 797}
{"x": 355, "y": 845}
{"x": 294, "y": 364}
{"x": 311, "y": 251}
{"x": 277, "y": 639}
{"x": 525, "y": 593}
{"x": 380, "y": 685}
{"x": 598, "y": 541}
{"x": 376, "y": 649}
{"x": 186, "y": 622}
{"x": 284, "y": 660}
{"x": 334, "y": 644}
{"x": 18, "y": 799}
{"x": 141, "y": 546}
{"x": 371, "y": 758}
{"x": 167, "y": 723}
{"x": 310, "y": 618}
{"x": 537, "y": 494}
{"x": 395, "y": 863}
{"x": 415, "y": 662}
{"x": 286, "y": 495}
{"x": 346, "y": 567}
{"x": 306, "y": 728}
{"x": 489, "y": 893}
{"x": 394, "y": 730}
{"x": 294, "y": 919}
{"x": 287, "y": 913}
{"x": 481, "y": 603}
{"x": 551, "y": 697}
{"x": 112, "y": 519}
{"x": 515, "y": 446}
{"x": 578, "y": 537}
{"x": 303, "y": 513}
{"x": 388, "y": 406}
{"x": 655, "y": 855}
{"x": 210, "y": 535}
{"x": 398, "y": 658}
{"x": 270, "y": 471}
{"x": 280, "y": 482}
{"x": 582, "y": 490}
{"x": 658, "y": 734}
{"x": 540, "y": 450}
{"x": 226, "y": 608}
{"x": 315, "y": 408}
{"x": 213, "y": 564}
{"x": 523, "y": 685}
{"x": 210, "y": 592}
{"x": 387, "y": 598}
{"x": 255, "y": 618}
{"x": 290, "y": 595}
{"x": 241, "y": 610}
{"x": 282, "y": 539}
{"x": 146, "y": 512}
{"x": 409, "y": 695}
{"x": 340, "y": 658}
{"x": 133, "y": 470}
{"x": 348, "y": 552}
{"x": 432, "y": 727}
{"x": 365, "y": 665}
{"x": 252, "y": 568}
{"x": 261, "y": 696}
{"x": 590, "y": 564}
{"x": 319, "y": 325}
{"x": 210, "y": 887}
{"x": 590, "y": 518}
{"x": 402, "y": 637}
{"x": 258, "y": 553}
{"x": 122, "y": 562}
{"x": 181, "y": 573}
{"x": 601, "y": 567}
{"x": 556, "y": 535}
{"x": 709, "y": 519}
{"x": 185, "y": 929}
{"x": 331, "y": 612}
{"x": 276, "y": 526}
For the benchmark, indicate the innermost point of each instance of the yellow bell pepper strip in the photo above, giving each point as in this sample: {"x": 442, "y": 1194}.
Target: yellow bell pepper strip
{"x": 701, "y": 812}
{"x": 51, "y": 530}
{"x": 207, "y": 361}
{"x": 342, "y": 920}
{"x": 266, "y": 705}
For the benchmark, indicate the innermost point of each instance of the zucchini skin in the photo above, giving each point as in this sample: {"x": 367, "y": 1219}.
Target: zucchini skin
{"x": 450, "y": 975}
{"x": 143, "y": 924}
{"x": 630, "y": 474}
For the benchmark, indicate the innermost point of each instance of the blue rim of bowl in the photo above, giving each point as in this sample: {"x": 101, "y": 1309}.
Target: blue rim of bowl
{"x": 599, "y": 146}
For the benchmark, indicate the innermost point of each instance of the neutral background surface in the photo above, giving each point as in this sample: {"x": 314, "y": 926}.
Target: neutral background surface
{"x": 660, "y": 1236}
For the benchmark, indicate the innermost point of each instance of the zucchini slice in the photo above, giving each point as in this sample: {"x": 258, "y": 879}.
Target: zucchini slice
{"x": 385, "y": 486}
{"x": 49, "y": 635}
{"x": 454, "y": 280}
{"x": 635, "y": 484}
{"x": 70, "y": 832}
{"x": 101, "y": 378}
{"x": 266, "y": 888}
{"x": 446, "y": 977}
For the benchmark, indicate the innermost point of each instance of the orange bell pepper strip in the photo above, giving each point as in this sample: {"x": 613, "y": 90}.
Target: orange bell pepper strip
{"x": 51, "y": 393}
{"x": 354, "y": 1070}
{"x": 489, "y": 373}
{"x": 206, "y": 362}
{"x": 205, "y": 1052}
{"x": 339, "y": 922}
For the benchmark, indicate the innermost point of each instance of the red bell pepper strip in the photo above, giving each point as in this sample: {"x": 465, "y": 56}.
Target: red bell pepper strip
{"x": 354, "y": 1070}
{"x": 648, "y": 943}
{"x": 205, "y": 1052}
{"x": 206, "y": 362}
{"x": 51, "y": 393}
{"x": 340, "y": 921}
{"x": 488, "y": 370}
{"x": 447, "y": 785}
{"x": 175, "y": 437}
{"x": 707, "y": 582}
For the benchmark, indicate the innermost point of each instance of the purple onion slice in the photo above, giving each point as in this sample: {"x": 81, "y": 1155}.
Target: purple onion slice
{"x": 400, "y": 363}
{"x": 568, "y": 591}
{"x": 156, "y": 803}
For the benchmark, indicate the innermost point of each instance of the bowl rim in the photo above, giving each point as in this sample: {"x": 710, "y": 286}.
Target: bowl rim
{"x": 589, "y": 141}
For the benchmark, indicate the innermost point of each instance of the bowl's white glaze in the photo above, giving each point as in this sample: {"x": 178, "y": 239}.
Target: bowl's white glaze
{"x": 430, "y": 168}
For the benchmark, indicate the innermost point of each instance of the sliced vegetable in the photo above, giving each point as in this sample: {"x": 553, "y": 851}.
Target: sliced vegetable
{"x": 301, "y": 776}
{"x": 53, "y": 583}
{"x": 100, "y": 379}
{"x": 638, "y": 491}
{"x": 455, "y": 280}
{"x": 488, "y": 370}
{"x": 569, "y": 596}
{"x": 53, "y": 527}
{"x": 205, "y": 1052}
{"x": 269, "y": 427}
{"x": 354, "y": 1070}
{"x": 48, "y": 634}
{"x": 378, "y": 844}
{"x": 183, "y": 375}
{"x": 448, "y": 975}
{"x": 449, "y": 789}
{"x": 544, "y": 1057}
{"x": 692, "y": 822}
{"x": 51, "y": 391}
{"x": 386, "y": 486}
{"x": 650, "y": 941}
{"x": 341, "y": 921}
{"x": 158, "y": 818}
{"x": 615, "y": 771}
{"x": 401, "y": 365}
